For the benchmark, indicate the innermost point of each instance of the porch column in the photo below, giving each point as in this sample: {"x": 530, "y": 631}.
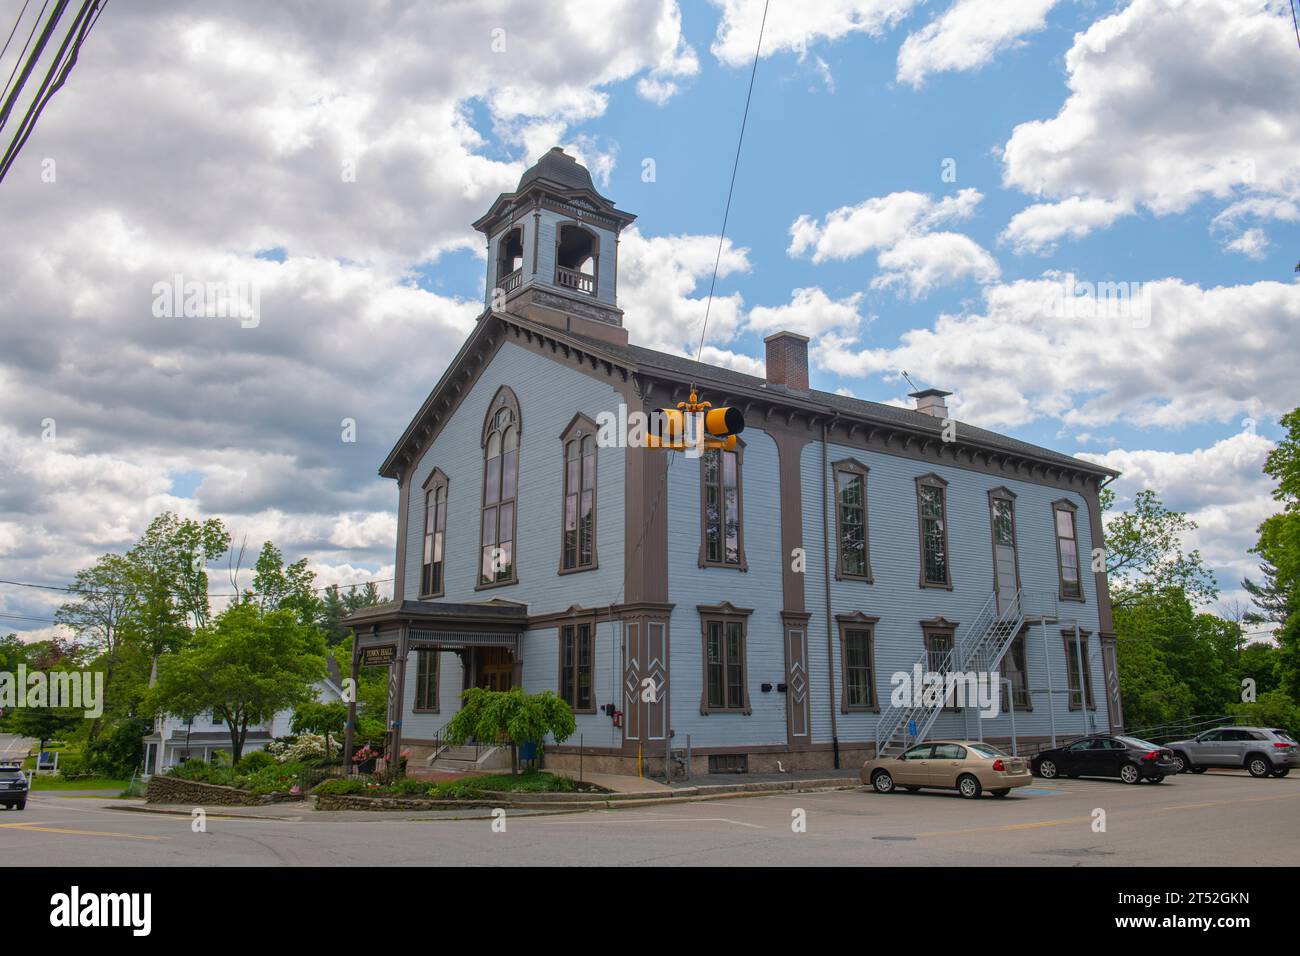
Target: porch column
{"x": 350, "y": 728}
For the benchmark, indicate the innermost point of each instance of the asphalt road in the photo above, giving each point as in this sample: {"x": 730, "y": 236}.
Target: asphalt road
{"x": 1227, "y": 819}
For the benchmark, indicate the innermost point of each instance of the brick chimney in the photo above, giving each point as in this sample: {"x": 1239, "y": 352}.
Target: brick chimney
{"x": 930, "y": 401}
{"x": 787, "y": 360}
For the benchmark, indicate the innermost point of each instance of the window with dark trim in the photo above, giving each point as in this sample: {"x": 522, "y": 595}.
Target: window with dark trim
{"x": 435, "y": 534}
{"x": 577, "y": 656}
{"x": 500, "y": 489}
{"x": 1074, "y": 650}
{"x": 725, "y": 673}
{"x": 851, "y": 528}
{"x": 1015, "y": 669}
{"x": 932, "y": 523}
{"x": 1067, "y": 550}
{"x": 857, "y": 662}
{"x": 426, "y": 679}
{"x": 578, "y": 547}
{"x": 722, "y": 536}
{"x": 939, "y": 636}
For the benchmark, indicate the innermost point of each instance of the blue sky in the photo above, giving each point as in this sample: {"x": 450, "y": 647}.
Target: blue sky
{"x": 1150, "y": 142}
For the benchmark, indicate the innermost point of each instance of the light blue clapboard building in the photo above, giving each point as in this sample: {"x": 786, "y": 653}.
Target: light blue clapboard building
{"x": 752, "y": 606}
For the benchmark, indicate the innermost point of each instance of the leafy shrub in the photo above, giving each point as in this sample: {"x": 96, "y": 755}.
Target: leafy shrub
{"x": 73, "y": 767}
{"x": 119, "y": 750}
{"x": 303, "y": 747}
{"x": 256, "y": 760}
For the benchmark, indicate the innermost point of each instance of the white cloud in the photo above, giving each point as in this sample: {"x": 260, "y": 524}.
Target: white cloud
{"x": 796, "y": 26}
{"x": 898, "y": 226}
{"x": 1161, "y": 111}
{"x": 1197, "y": 355}
{"x": 968, "y": 35}
{"x": 1222, "y": 488}
{"x": 1037, "y": 228}
{"x": 1252, "y": 242}
{"x": 663, "y": 284}
{"x": 809, "y": 312}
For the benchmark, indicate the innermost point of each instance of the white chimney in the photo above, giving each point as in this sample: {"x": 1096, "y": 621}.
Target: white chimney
{"x": 930, "y": 401}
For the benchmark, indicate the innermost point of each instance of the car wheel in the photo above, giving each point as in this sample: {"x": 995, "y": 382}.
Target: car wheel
{"x": 22, "y": 805}
{"x": 882, "y": 781}
{"x": 1198, "y": 769}
{"x": 1282, "y": 773}
{"x": 969, "y": 786}
{"x": 1258, "y": 765}
{"x": 999, "y": 793}
{"x": 1047, "y": 770}
{"x": 1181, "y": 763}
{"x": 1129, "y": 773}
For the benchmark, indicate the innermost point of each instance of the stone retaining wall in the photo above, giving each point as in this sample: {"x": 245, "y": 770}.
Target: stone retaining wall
{"x": 164, "y": 789}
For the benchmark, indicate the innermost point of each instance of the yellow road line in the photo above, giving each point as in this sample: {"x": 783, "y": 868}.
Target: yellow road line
{"x": 39, "y": 828}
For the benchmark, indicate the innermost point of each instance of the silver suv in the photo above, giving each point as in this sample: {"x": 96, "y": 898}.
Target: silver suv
{"x": 1264, "y": 751}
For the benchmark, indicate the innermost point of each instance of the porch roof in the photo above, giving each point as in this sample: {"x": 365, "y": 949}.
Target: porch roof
{"x": 496, "y": 616}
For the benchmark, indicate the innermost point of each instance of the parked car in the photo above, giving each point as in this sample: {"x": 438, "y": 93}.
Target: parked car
{"x": 13, "y": 786}
{"x": 1104, "y": 755}
{"x": 1261, "y": 750}
{"x": 968, "y": 766}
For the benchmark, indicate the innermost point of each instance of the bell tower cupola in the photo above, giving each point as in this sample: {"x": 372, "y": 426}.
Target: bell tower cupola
{"x": 553, "y": 250}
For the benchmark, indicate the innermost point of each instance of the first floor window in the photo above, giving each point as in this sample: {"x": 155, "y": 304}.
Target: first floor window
{"x": 576, "y": 653}
{"x": 1076, "y": 654}
{"x": 426, "y": 679}
{"x": 859, "y": 679}
{"x": 1016, "y": 671}
{"x": 725, "y": 663}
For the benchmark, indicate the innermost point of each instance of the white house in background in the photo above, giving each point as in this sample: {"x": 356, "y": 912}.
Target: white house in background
{"x": 175, "y": 740}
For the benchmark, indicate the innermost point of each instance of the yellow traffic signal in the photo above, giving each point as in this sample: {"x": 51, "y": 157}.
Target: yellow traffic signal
{"x": 720, "y": 426}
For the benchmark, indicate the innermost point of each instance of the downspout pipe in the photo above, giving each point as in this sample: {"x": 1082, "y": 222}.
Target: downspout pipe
{"x": 826, "y": 566}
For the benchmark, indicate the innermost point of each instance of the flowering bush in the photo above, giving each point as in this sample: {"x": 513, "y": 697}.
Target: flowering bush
{"x": 305, "y": 747}
{"x": 365, "y": 753}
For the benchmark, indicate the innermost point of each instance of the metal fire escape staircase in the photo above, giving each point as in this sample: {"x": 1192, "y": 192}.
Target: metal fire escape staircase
{"x": 979, "y": 647}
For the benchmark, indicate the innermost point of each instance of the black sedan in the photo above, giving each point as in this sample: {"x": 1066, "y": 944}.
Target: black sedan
{"x": 1128, "y": 758}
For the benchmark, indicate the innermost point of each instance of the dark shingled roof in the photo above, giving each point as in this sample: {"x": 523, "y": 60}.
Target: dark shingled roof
{"x": 874, "y": 411}
{"x": 558, "y": 167}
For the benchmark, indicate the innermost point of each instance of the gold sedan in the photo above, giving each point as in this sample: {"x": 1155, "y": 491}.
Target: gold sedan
{"x": 968, "y": 766}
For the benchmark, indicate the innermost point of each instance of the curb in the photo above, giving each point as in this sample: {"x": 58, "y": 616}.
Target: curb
{"x": 219, "y": 814}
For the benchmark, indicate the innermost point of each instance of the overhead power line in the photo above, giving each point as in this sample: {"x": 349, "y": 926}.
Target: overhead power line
{"x": 735, "y": 164}
{"x": 65, "y": 59}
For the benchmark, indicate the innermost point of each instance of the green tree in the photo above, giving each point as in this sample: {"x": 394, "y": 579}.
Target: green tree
{"x": 318, "y": 717}
{"x": 246, "y": 667}
{"x": 512, "y": 715}
{"x": 337, "y": 604}
{"x": 279, "y": 586}
{"x": 101, "y": 605}
{"x": 1144, "y": 552}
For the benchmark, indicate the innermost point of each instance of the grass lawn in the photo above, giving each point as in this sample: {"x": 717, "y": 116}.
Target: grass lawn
{"x": 40, "y": 782}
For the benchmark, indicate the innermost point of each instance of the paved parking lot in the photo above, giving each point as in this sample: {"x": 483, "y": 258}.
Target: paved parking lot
{"x": 1217, "y": 818}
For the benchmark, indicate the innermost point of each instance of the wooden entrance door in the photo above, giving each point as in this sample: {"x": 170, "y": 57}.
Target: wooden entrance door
{"x": 496, "y": 668}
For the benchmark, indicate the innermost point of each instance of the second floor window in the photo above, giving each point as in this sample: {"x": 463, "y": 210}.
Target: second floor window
{"x": 723, "y": 543}
{"x": 435, "y": 532}
{"x": 1067, "y": 550}
{"x": 932, "y": 516}
{"x": 500, "y": 489}
{"x": 851, "y": 520}
{"x": 579, "y": 546}
{"x": 576, "y": 655}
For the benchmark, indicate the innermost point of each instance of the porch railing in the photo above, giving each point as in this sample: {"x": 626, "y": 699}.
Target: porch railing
{"x": 575, "y": 280}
